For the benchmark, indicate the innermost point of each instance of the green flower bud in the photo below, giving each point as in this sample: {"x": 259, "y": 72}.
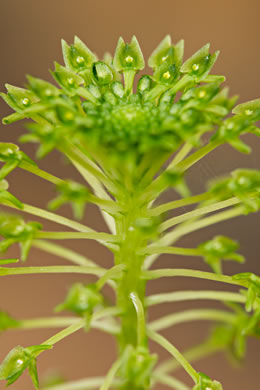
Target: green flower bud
{"x": 44, "y": 90}
{"x": 19, "y": 99}
{"x": 74, "y": 193}
{"x": 144, "y": 84}
{"x": 67, "y": 79}
{"x": 118, "y": 89}
{"x": 102, "y": 73}
{"x": 128, "y": 56}
{"x": 81, "y": 299}
{"x": 166, "y": 74}
{"x": 137, "y": 366}
{"x": 13, "y": 229}
{"x": 253, "y": 283}
{"x": 220, "y": 248}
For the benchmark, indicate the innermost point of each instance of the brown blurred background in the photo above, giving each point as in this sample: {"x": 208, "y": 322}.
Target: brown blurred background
{"x": 30, "y": 34}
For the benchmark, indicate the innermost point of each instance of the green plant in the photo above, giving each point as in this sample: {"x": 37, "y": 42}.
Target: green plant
{"x": 130, "y": 147}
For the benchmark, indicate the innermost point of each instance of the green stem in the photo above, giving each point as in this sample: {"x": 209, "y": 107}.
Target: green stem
{"x": 179, "y": 203}
{"x": 63, "y": 252}
{"x": 98, "y": 190}
{"x": 198, "y": 212}
{"x": 110, "y": 274}
{"x": 172, "y": 250}
{"x": 196, "y": 156}
{"x": 172, "y": 236}
{"x": 182, "y": 153}
{"x": 53, "y": 269}
{"x": 75, "y": 154}
{"x": 82, "y": 384}
{"x": 195, "y": 353}
{"x": 192, "y": 315}
{"x": 179, "y": 296}
{"x": 111, "y": 375}
{"x": 76, "y": 235}
{"x": 39, "y": 172}
{"x": 159, "y": 273}
{"x": 170, "y": 381}
{"x": 53, "y": 217}
{"x": 60, "y": 322}
{"x": 159, "y": 339}
{"x": 141, "y": 324}
{"x": 65, "y": 333}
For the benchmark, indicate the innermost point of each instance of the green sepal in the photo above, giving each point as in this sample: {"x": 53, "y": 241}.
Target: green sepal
{"x": 128, "y": 56}
{"x": 81, "y": 299}
{"x": 166, "y": 52}
{"x": 253, "y": 287}
{"x": 199, "y": 64}
{"x": 7, "y": 322}
{"x": 102, "y": 73}
{"x": 43, "y": 89}
{"x": 220, "y": 248}
{"x": 251, "y": 110}
{"x": 19, "y": 98}
{"x": 136, "y": 367}
{"x": 67, "y": 79}
{"x": 77, "y": 57}
{"x": 205, "y": 383}
{"x": 76, "y": 194}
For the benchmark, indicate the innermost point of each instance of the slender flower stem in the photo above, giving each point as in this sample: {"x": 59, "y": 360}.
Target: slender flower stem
{"x": 141, "y": 324}
{"x": 110, "y": 274}
{"x": 196, "y": 156}
{"x": 198, "y": 212}
{"x": 65, "y": 333}
{"x": 159, "y": 273}
{"x": 170, "y": 381}
{"x": 192, "y": 315}
{"x": 101, "y": 237}
{"x": 171, "y": 250}
{"x": 195, "y": 353}
{"x": 61, "y": 322}
{"x": 183, "y": 229}
{"x": 182, "y": 153}
{"x": 53, "y": 269}
{"x": 179, "y": 296}
{"x": 82, "y": 384}
{"x": 53, "y": 217}
{"x": 39, "y": 172}
{"x": 179, "y": 203}
{"x": 98, "y": 190}
{"x": 111, "y": 375}
{"x": 74, "y": 153}
{"x": 172, "y": 236}
{"x": 63, "y": 252}
{"x": 159, "y": 339}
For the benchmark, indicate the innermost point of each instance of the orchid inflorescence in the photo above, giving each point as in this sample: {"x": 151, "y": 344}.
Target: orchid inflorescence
{"x": 131, "y": 142}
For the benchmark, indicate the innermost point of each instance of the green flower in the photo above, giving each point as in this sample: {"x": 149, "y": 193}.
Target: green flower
{"x": 15, "y": 230}
{"x": 18, "y": 360}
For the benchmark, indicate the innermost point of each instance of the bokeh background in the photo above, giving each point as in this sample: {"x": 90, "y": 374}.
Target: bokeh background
{"x": 30, "y": 34}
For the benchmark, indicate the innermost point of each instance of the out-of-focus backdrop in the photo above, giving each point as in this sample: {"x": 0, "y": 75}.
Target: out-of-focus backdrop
{"x": 30, "y": 34}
